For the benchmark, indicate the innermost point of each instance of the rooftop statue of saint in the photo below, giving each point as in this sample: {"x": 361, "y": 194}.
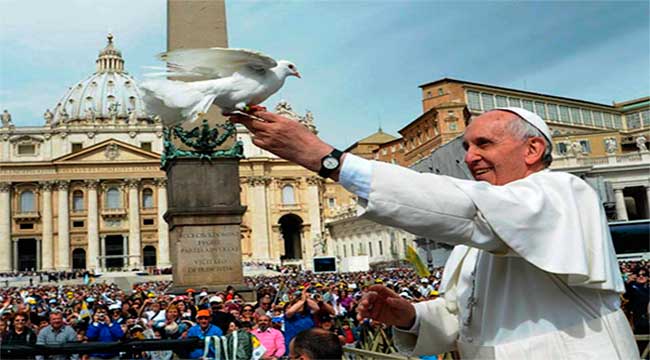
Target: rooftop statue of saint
{"x": 6, "y": 119}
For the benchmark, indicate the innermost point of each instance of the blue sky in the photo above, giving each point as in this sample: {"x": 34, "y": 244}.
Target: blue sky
{"x": 361, "y": 61}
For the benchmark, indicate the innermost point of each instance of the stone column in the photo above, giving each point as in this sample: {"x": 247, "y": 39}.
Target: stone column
{"x": 621, "y": 211}
{"x": 14, "y": 266}
{"x": 259, "y": 222}
{"x": 63, "y": 246}
{"x": 163, "y": 228}
{"x": 313, "y": 201}
{"x": 47, "y": 246}
{"x": 125, "y": 244}
{"x": 135, "y": 260}
{"x": 39, "y": 255}
{"x": 5, "y": 227}
{"x": 93, "y": 225}
{"x": 102, "y": 251}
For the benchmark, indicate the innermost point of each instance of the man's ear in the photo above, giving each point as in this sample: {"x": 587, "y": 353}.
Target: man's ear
{"x": 534, "y": 150}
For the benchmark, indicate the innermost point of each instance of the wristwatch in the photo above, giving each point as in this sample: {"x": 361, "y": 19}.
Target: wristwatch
{"x": 329, "y": 163}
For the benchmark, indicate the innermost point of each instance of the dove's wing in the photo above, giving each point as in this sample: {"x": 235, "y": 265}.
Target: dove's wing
{"x": 212, "y": 63}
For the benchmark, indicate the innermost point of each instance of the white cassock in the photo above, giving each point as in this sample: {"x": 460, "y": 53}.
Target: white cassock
{"x": 534, "y": 274}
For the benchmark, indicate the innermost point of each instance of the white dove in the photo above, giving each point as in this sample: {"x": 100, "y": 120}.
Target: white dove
{"x": 233, "y": 79}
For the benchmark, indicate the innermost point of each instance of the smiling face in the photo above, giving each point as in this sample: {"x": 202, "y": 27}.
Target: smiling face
{"x": 494, "y": 154}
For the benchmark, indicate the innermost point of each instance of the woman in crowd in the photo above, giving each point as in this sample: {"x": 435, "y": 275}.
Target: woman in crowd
{"x": 20, "y": 334}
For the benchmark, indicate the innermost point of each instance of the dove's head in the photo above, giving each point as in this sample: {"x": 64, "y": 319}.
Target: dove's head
{"x": 287, "y": 68}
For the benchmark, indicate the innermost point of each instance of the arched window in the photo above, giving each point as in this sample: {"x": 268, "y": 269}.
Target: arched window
{"x": 288, "y": 197}
{"x": 113, "y": 198}
{"x": 77, "y": 200}
{"x": 147, "y": 198}
{"x": 27, "y": 201}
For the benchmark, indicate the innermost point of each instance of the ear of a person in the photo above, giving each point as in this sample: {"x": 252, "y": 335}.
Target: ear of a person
{"x": 534, "y": 150}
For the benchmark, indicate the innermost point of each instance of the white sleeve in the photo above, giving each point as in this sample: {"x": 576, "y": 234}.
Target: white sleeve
{"x": 355, "y": 175}
{"x": 434, "y": 332}
{"x": 427, "y": 205}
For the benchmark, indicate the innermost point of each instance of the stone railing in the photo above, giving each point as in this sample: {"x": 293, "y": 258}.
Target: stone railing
{"x": 560, "y": 161}
{"x": 113, "y": 212}
{"x": 27, "y": 215}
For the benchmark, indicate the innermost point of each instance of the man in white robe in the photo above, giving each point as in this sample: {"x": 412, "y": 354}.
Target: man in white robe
{"x": 534, "y": 273}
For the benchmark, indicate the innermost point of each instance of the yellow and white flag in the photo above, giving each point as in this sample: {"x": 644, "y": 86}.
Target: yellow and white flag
{"x": 413, "y": 257}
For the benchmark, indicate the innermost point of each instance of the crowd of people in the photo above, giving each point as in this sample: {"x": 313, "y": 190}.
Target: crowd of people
{"x": 286, "y": 305}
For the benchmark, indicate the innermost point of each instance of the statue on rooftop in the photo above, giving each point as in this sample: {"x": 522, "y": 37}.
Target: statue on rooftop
{"x": 90, "y": 115}
{"x": 48, "y": 116}
{"x": 64, "y": 115}
{"x": 640, "y": 143}
{"x": 6, "y": 119}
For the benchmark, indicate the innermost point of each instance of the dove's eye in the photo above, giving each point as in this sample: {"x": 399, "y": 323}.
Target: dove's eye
{"x": 291, "y": 67}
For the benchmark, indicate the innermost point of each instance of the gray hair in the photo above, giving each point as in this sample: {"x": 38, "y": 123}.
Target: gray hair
{"x": 524, "y": 130}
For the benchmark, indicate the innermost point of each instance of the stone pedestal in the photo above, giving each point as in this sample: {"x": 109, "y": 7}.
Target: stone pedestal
{"x": 204, "y": 215}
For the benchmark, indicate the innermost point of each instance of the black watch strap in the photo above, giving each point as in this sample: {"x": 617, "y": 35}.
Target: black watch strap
{"x": 326, "y": 172}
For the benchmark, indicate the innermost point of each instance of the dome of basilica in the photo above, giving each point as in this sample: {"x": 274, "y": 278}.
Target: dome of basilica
{"x": 108, "y": 95}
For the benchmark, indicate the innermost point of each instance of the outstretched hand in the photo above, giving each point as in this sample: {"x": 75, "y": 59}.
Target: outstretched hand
{"x": 285, "y": 138}
{"x": 384, "y": 305}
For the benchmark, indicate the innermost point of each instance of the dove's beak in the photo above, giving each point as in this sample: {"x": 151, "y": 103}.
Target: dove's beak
{"x": 297, "y": 74}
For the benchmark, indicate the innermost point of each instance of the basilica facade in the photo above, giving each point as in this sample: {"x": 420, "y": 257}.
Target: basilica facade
{"x": 85, "y": 190}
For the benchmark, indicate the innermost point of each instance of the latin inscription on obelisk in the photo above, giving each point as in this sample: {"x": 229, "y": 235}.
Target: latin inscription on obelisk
{"x": 209, "y": 250}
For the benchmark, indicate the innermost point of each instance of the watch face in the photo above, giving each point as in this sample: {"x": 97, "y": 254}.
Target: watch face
{"x": 330, "y": 163}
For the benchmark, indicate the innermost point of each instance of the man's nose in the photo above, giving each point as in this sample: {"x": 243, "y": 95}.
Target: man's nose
{"x": 471, "y": 156}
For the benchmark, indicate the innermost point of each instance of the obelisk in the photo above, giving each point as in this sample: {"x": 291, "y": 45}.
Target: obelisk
{"x": 204, "y": 209}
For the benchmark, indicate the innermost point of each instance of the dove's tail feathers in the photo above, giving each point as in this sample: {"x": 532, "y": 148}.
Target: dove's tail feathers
{"x": 174, "y": 101}
{"x": 200, "y": 108}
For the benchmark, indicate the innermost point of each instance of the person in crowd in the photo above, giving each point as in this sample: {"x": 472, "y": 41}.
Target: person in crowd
{"x": 264, "y": 305}
{"x": 201, "y": 330}
{"x": 298, "y": 316}
{"x": 315, "y": 344}
{"x": 220, "y": 316}
{"x": 103, "y": 329}
{"x": 247, "y": 312}
{"x": 20, "y": 334}
{"x": 4, "y": 330}
{"x": 156, "y": 312}
{"x": 234, "y": 326}
{"x": 272, "y": 339}
{"x": 56, "y": 333}
{"x": 116, "y": 314}
{"x": 564, "y": 246}
{"x": 174, "y": 327}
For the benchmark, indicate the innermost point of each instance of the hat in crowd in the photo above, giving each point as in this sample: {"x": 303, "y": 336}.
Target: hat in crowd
{"x": 114, "y": 307}
{"x": 435, "y": 292}
{"x": 203, "y": 293}
{"x": 52, "y": 301}
{"x": 203, "y": 313}
{"x": 378, "y": 281}
{"x": 31, "y": 300}
{"x": 190, "y": 290}
{"x": 406, "y": 295}
{"x": 216, "y": 299}
{"x": 90, "y": 299}
{"x": 151, "y": 295}
{"x": 352, "y": 286}
{"x": 424, "y": 280}
{"x": 531, "y": 118}
{"x": 136, "y": 328}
